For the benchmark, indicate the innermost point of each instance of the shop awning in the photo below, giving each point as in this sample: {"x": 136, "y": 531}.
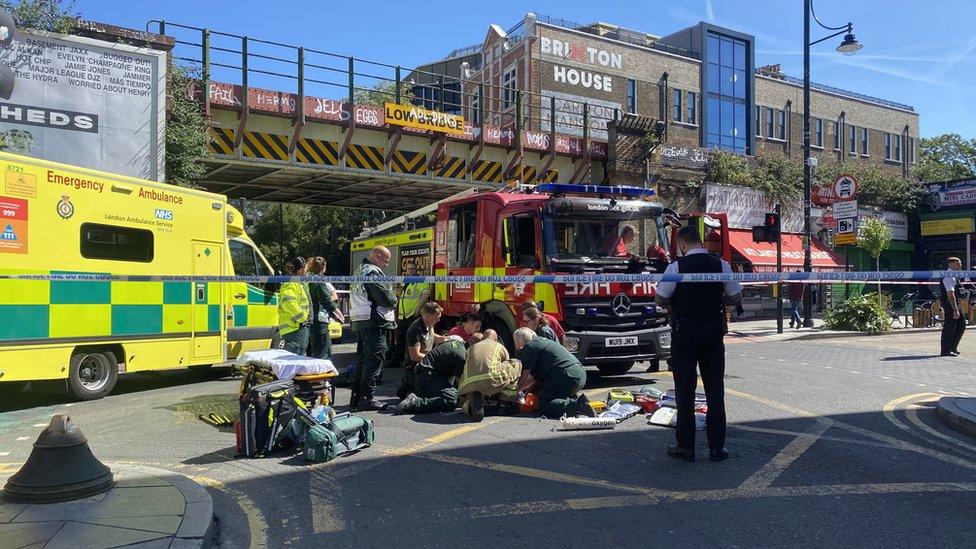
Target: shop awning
{"x": 762, "y": 255}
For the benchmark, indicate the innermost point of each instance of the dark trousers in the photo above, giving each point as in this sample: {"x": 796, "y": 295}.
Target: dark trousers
{"x": 558, "y": 392}
{"x": 296, "y": 342}
{"x": 436, "y": 392}
{"x": 394, "y": 359}
{"x": 699, "y": 346}
{"x": 372, "y": 344}
{"x": 952, "y": 330}
{"x": 320, "y": 344}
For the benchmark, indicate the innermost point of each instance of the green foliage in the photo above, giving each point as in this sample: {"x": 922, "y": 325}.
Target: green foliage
{"x": 728, "y": 168}
{"x": 186, "y": 131}
{"x": 874, "y": 237}
{"x": 283, "y": 231}
{"x": 945, "y": 157}
{"x": 861, "y": 313}
{"x": 383, "y": 92}
{"x": 877, "y": 186}
{"x": 48, "y": 15}
{"x": 777, "y": 176}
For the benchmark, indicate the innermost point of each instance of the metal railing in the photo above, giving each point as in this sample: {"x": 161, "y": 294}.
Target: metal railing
{"x": 642, "y": 41}
{"x": 839, "y": 91}
{"x": 252, "y": 62}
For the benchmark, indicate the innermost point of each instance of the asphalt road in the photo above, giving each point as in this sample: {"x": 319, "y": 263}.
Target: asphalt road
{"x": 833, "y": 442}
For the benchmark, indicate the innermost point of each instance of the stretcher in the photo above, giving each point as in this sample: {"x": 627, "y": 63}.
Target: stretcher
{"x": 313, "y": 377}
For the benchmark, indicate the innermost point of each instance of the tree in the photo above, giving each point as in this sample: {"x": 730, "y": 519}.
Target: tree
{"x": 48, "y": 15}
{"x": 382, "y": 92}
{"x": 875, "y": 237}
{"x": 946, "y": 157}
{"x": 186, "y": 131}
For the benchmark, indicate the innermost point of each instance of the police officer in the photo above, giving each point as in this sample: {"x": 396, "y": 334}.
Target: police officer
{"x": 955, "y": 323}
{"x": 434, "y": 381}
{"x": 698, "y": 328}
{"x": 372, "y": 315}
{"x": 412, "y": 297}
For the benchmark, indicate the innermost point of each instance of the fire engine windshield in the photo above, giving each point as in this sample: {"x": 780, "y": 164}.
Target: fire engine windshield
{"x": 598, "y": 230}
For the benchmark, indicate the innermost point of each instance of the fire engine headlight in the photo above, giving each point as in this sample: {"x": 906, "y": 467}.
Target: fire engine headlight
{"x": 580, "y": 311}
{"x": 572, "y": 343}
{"x": 591, "y": 311}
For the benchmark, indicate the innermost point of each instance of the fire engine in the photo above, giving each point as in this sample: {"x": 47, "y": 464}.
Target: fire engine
{"x": 558, "y": 229}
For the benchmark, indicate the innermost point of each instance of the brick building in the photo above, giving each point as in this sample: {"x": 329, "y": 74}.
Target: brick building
{"x": 701, "y": 80}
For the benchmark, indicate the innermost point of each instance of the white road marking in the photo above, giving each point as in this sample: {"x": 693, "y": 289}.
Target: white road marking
{"x": 22, "y": 438}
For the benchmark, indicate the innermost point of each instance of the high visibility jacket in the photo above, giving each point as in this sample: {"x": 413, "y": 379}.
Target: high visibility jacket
{"x": 365, "y": 299}
{"x": 293, "y": 307}
{"x": 410, "y": 300}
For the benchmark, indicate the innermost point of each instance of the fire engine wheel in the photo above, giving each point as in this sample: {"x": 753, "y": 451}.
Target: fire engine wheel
{"x": 615, "y": 368}
{"x": 91, "y": 375}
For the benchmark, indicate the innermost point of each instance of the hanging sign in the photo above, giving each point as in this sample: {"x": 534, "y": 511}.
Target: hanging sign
{"x": 412, "y": 116}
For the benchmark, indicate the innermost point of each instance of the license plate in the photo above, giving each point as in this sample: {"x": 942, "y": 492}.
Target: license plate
{"x": 629, "y": 341}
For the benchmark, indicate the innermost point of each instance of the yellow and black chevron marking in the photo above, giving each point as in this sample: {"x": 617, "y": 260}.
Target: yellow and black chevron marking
{"x": 528, "y": 174}
{"x": 409, "y": 162}
{"x": 364, "y": 157}
{"x": 222, "y": 141}
{"x": 487, "y": 171}
{"x": 451, "y": 166}
{"x": 265, "y": 145}
{"x": 552, "y": 176}
{"x": 314, "y": 151}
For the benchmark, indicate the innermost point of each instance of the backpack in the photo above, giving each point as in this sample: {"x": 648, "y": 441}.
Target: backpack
{"x": 344, "y": 433}
{"x": 268, "y": 415}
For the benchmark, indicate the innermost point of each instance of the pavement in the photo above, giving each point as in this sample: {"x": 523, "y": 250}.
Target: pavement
{"x": 833, "y": 442}
{"x": 765, "y": 329}
{"x": 959, "y": 413}
{"x": 147, "y": 508}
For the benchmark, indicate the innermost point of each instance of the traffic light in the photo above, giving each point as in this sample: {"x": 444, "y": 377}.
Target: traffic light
{"x": 769, "y": 231}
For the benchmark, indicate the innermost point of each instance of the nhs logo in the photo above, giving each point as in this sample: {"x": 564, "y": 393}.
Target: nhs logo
{"x": 166, "y": 215}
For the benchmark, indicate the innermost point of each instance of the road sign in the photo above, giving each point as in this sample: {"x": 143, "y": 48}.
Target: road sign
{"x": 845, "y": 187}
{"x": 845, "y": 208}
{"x": 847, "y": 225}
{"x": 841, "y": 239}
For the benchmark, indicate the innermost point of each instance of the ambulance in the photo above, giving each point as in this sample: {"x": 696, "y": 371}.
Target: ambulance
{"x": 59, "y": 219}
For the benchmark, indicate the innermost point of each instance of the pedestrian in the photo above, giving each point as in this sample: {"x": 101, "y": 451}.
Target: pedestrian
{"x": 558, "y": 374}
{"x": 372, "y": 314}
{"x": 553, "y": 322}
{"x": 420, "y": 339}
{"x": 954, "y": 324}
{"x": 434, "y": 381}
{"x": 325, "y": 308}
{"x": 698, "y": 329}
{"x": 411, "y": 297}
{"x": 294, "y": 307}
{"x": 794, "y": 291}
{"x": 538, "y": 323}
{"x": 468, "y": 329}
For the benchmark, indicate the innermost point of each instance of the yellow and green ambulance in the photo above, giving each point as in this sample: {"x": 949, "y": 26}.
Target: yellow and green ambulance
{"x": 59, "y": 219}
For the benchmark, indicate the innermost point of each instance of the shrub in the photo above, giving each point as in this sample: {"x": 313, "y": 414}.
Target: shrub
{"x": 861, "y": 313}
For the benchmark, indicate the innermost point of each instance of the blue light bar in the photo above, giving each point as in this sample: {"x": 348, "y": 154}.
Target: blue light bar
{"x": 575, "y": 188}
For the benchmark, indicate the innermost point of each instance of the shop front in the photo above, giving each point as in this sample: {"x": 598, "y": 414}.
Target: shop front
{"x": 947, "y": 231}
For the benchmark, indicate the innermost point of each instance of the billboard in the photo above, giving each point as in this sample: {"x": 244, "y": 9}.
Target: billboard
{"x": 956, "y": 193}
{"x": 86, "y": 102}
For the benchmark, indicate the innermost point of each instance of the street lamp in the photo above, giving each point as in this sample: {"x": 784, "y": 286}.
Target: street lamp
{"x": 848, "y": 46}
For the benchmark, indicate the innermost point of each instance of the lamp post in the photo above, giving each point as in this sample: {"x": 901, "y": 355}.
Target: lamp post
{"x": 848, "y": 46}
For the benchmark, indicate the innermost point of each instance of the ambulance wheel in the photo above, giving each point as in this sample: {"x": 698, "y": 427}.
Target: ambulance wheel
{"x": 615, "y": 368}
{"x": 91, "y": 375}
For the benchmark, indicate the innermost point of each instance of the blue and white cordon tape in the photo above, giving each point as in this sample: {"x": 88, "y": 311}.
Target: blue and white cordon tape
{"x": 815, "y": 277}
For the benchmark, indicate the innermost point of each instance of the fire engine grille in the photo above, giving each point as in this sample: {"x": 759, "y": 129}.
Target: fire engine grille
{"x": 597, "y": 315}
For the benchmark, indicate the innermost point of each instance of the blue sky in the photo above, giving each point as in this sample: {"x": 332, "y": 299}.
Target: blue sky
{"x": 919, "y": 53}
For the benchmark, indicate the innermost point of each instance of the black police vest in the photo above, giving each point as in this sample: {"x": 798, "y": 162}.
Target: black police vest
{"x": 698, "y": 301}
{"x": 945, "y": 294}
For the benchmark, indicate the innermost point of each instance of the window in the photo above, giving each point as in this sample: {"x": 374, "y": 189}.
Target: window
{"x": 781, "y": 124}
{"x": 852, "y": 139}
{"x": 520, "y": 241}
{"x": 676, "y": 109}
{"x": 770, "y": 115}
{"x": 116, "y": 243}
{"x": 897, "y": 139}
{"x": 911, "y": 150}
{"x": 725, "y": 100}
{"x": 757, "y": 123}
{"x": 508, "y": 87}
{"x": 631, "y": 96}
{"x": 864, "y": 141}
{"x": 692, "y": 108}
{"x": 818, "y": 132}
{"x": 836, "y": 127}
{"x": 887, "y": 146}
{"x": 461, "y": 239}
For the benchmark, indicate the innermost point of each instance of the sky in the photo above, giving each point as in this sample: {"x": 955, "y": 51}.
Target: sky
{"x": 919, "y": 53}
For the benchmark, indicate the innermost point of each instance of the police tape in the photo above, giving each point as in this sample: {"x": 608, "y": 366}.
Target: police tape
{"x": 839, "y": 277}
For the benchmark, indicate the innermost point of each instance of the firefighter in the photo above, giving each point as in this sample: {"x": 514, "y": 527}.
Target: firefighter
{"x": 434, "y": 380}
{"x": 294, "y": 307}
{"x": 558, "y": 373}
{"x": 372, "y": 315}
{"x": 411, "y": 298}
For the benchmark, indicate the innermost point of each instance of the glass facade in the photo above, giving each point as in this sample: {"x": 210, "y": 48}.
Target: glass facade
{"x": 726, "y": 98}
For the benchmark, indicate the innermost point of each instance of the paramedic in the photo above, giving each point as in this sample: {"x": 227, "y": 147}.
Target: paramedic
{"x": 420, "y": 339}
{"x": 434, "y": 380}
{"x": 293, "y": 310}
{"x": 325, "y": 308}
{"x": 558, "y": 374}
{"x": 412, "y": 297}
{"x": 372, "y": 315}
